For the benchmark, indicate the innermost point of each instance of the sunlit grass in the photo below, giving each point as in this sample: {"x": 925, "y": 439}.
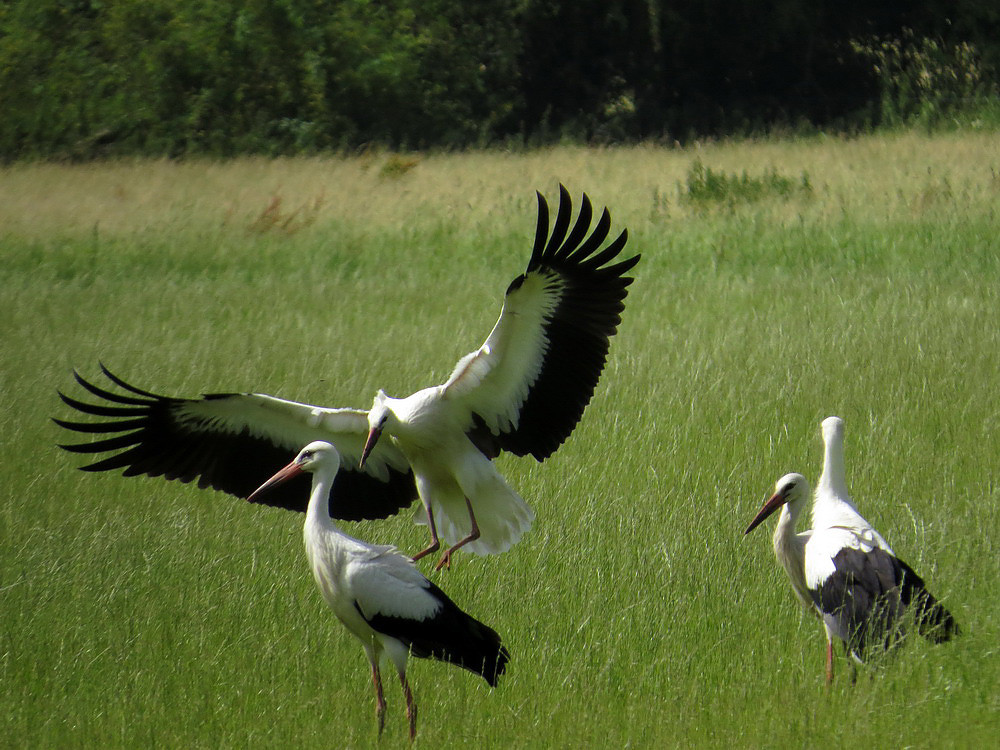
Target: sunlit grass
{"x": 141, "y": 612}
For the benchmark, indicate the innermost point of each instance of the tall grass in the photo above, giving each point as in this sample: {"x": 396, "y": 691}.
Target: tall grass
{"x": 142, "y": 612}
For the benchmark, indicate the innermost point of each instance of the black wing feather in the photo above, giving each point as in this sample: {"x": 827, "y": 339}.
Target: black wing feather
{"x": 862, "y": 594}
{"x": 869, "y": 592}
{"x": 450, "y": 635}
{"x": 933, "y": 621}
{"x": 578, "y": 331}
{"x": 151, "y": 441}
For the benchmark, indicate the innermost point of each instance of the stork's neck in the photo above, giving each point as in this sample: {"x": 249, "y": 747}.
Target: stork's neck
{"x": 833, "y": 480}
{"x": 318, "y": 511}
{"x": 784, "y": 532}
{"x": 789, "y": 547}
{"x": 833, "y": 506}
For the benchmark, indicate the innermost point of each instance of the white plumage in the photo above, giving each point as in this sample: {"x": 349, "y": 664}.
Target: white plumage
{"x": 380, "y": 597}
{"x": 842, "y": 569}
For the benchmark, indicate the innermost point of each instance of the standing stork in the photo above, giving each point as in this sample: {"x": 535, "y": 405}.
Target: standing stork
{"x": 842, "y": 568}
{"x": 523, "y": 390}
{"x": 380, "y": 596}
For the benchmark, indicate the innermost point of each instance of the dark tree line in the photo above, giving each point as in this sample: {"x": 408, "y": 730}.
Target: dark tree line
{"x": 90, "y": 77}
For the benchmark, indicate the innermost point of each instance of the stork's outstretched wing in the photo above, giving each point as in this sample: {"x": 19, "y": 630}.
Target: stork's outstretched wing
{"x": 234, "y": 441}
{"x": 526, "y": 387}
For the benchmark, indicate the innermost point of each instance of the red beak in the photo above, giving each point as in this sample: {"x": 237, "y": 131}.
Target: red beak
{"x": 373, "y": 435}
{"x": 774, "y": 502}
{"x": 290, "y": 471}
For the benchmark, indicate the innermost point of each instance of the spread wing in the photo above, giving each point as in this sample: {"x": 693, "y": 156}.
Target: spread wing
{"x": 234, "y": 441}
{"x": 526, "y": 387}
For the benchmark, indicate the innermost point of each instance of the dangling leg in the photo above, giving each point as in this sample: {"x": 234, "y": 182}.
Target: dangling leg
{"x": 435, "y": 542}
{"x": 411, "y": 705}
{"x": 379, "y": 697}
{"x": 445, "y": 561}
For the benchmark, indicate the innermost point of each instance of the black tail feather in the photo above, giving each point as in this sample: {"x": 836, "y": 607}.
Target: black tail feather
{"x": 451, "y": 636}
{"x": 933, "y": 621}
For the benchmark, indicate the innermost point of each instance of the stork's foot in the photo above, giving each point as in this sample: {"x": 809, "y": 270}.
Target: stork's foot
{"x": 434, "y": 546}
{"x": 445, "y": 561}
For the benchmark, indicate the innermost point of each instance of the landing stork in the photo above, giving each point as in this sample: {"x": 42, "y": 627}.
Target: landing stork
{"x": 380, "y": 596}
{"x": 522, "y": 391}
{"x": 842, "y": 568}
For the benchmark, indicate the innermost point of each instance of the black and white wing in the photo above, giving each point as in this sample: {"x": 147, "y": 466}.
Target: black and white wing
{"x": 862, "y": 591}
{"x": 860, "y": 600}
{"x": 396, "y": 600}
{"x": 526, "y": 387}
{"x": 234, "y": 441}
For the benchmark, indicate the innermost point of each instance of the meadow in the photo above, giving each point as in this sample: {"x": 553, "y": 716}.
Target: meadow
{"x": 862, "y": 279}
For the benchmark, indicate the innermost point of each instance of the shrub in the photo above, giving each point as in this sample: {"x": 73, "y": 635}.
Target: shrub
{"x": 705, "y": 186}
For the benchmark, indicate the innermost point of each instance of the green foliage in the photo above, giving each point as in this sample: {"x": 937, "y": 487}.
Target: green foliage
{"x": 396, "y": 166}
{"x": 82, "y": 79}
{"x": 184, "y": 76}
{"x": 704, "y": 186}
{"x": 929, "y": 83}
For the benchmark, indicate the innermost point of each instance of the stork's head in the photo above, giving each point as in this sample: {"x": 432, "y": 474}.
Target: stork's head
{"x": 791, "y": 488}
{"x": 833, "y": 429}
{"x": 378, "y": 415}
{"x": 317, "y": 456}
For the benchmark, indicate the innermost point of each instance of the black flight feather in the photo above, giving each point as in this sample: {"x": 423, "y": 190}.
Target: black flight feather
{"x": 578, "y": 330}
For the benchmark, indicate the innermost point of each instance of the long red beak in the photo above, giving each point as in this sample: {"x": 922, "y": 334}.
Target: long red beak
{"x": 373, "y": 435}
{"x": 774, "y": 502}
{"x": 290, "y": 471}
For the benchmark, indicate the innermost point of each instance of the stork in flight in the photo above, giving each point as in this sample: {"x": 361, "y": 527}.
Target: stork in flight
{"x": 842, "y": 568}
{"x": 380, "y": 596}
{"x": 522, "y": 391}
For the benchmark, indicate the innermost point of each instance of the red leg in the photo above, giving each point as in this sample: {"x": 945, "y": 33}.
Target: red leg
{"x": 411, "y": 706}
{"x": 445, "y": 561}
{"x": 379, "y": 697}
{"x": 435, "y": 542}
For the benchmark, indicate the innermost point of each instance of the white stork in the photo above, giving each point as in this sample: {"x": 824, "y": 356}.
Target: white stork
{"x": 380, "y": 596}
{"x": 842, "y": 569}
{"x": 522, "y": 391}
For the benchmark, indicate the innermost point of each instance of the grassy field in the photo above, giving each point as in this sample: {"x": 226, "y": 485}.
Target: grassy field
{"x": 139, "y": 612}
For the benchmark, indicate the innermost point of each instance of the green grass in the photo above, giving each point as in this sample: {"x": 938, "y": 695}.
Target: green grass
{"x": 140, "y": 612}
